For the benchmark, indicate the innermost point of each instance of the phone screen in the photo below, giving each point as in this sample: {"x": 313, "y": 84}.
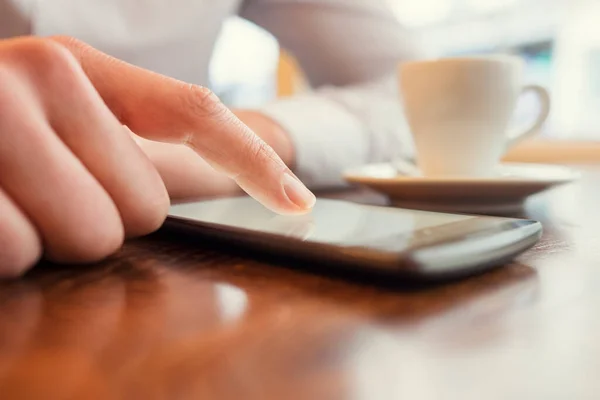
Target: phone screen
{"x": 408, "y": 243}
{"x": 330, "y": 222}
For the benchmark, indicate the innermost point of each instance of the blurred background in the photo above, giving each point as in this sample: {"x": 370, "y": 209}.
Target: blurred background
{"x": 559, "y": 40}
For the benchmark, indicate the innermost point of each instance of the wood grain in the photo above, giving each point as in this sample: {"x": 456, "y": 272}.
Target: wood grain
{"x": 171, "y": 318}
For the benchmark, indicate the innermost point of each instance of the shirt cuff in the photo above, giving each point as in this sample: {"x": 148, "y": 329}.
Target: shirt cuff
{"x": 327, "y": 138}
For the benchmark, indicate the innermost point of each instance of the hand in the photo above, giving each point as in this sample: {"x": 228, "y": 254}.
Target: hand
{"x": 73, "y": 183}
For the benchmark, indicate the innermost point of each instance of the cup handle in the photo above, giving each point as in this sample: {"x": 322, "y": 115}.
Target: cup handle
{"x": 544, "y": 99}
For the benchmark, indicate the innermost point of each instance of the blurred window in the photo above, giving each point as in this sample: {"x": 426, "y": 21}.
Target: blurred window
{"x": 244, "y": 64}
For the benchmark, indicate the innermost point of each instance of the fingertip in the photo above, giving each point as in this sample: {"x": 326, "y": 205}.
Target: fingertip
{"x": 286, "y": 195}
{"x": 297, "y": 193}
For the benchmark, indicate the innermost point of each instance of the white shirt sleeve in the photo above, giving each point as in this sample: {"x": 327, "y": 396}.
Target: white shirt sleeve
{"x": 349, "y": 51}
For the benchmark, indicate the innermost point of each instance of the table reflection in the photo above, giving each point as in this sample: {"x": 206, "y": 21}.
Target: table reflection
{"x": 153, "y": 331}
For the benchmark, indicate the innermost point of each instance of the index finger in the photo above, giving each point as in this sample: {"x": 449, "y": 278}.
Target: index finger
{"x": 165, "y": 109}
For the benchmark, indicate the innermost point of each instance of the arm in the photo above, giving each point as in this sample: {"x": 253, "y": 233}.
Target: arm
{"x": 349, "y": 50}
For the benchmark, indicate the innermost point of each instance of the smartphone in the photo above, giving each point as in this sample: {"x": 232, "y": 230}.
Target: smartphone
{"x": 384, "y": 240}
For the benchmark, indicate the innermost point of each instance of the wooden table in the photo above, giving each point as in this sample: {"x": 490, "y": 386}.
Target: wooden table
{"x": 168, "y": 319}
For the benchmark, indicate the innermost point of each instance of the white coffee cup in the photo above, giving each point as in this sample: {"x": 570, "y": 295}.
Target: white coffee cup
{"x": 459, "y": 110}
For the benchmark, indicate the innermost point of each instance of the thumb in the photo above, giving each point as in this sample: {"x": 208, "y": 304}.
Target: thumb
{"x": 165, "y": 109}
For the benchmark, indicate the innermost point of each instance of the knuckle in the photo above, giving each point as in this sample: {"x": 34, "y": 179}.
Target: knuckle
{"x": 77, "y": 50}
{"x": 260, "y": 153}
{"x": 202, "y": 102}
{"x": 68, "y": 41}
{"x": 257, "y": 158}
{"x": 43, "y": 55}
{"x": 255, "y": 150}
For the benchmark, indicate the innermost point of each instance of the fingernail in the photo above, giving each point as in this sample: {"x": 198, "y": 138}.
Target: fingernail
{"x": 297, "y": 192}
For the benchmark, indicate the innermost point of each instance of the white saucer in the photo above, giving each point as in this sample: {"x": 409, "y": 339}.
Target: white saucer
{"x": 504, "y": 193}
